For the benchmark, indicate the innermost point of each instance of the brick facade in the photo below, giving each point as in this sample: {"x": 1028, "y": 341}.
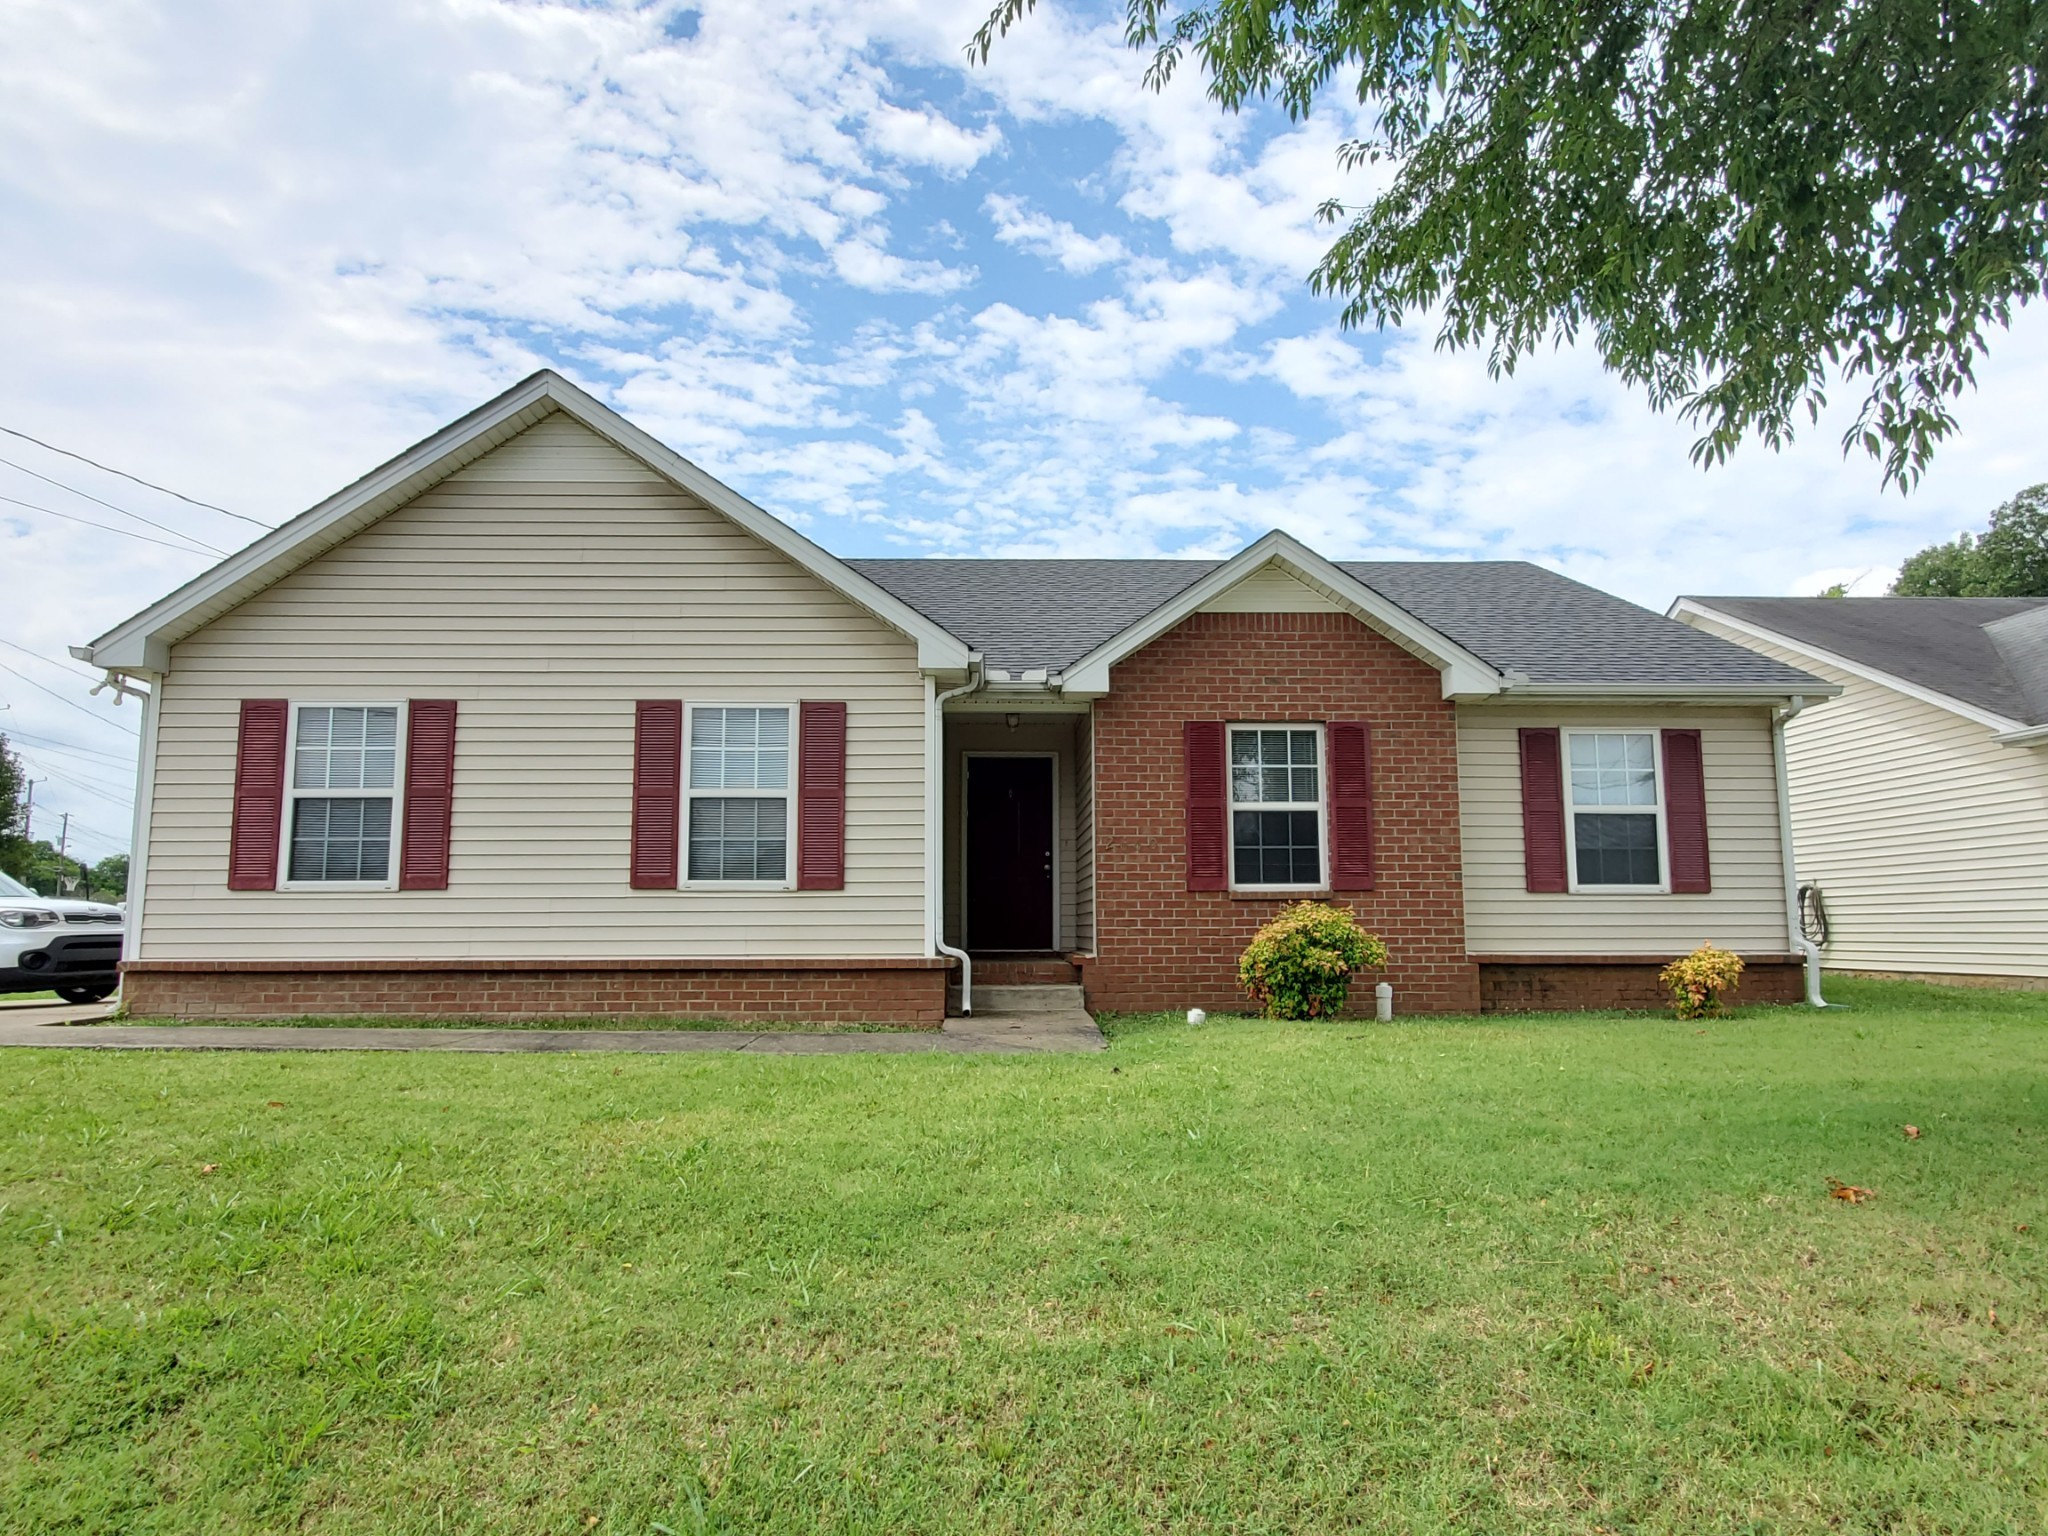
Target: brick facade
{"x": 830, "y": 992}
{"x": 1160, "y": 945}
{"x": 1529, "y": 985}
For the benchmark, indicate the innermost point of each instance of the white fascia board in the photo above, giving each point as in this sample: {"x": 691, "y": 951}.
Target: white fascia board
{"x": 1686, "y": 608}
{"x": 144, "y": 641}
{"x": 1464, "y": 674}
{"x": 2026, "y": 736}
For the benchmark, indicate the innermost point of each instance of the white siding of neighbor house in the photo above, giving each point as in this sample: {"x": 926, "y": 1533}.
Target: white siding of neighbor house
{"x": 1928, "y": 840}
{"x": 546, "y": 587}
{"x": 1745, "y": 911}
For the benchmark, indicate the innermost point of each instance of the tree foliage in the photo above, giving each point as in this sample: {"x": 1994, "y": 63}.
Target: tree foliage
{"x": 1738, "y": 200}
{"x": 2010, "y": 559}
{"x": 13, "y": 786}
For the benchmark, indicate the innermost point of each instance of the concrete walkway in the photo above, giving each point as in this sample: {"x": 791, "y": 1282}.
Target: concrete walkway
{"x": 1001, "y": 1034}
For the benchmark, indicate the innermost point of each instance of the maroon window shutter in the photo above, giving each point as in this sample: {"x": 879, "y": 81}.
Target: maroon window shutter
{"x": 1685, "y": 812}
{"x": 657, "y": 793}
{"x": 821, "y": 797}
{"x": 1208, "y": 807}
{"x": 259, "y": 796}
{"x": 429, "y": 795}
{"x": 1543, "y": 865}
{"x": 1350, "y": 805}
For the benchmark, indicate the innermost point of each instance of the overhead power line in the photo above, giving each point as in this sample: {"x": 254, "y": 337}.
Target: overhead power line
{"x": 101, "y": 500}
{"x": 48, "y": 661}
{"x": 102, "y": 760}
{"x": 53, "y": 693}
{"x": 126, "y": 533}
{"x": 94, "y": 787}
{"x": 96, "y": 464}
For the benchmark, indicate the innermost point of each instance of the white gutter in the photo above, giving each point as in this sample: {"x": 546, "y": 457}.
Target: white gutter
{"x": 1800, "y": 941}
{"x": 935, "y": 824}
{"x": 2030, "y": 736}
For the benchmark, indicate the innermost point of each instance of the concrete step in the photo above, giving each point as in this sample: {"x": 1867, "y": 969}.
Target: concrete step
{"x": 1028, "y": 999}
{"x": 1038, "y": 970}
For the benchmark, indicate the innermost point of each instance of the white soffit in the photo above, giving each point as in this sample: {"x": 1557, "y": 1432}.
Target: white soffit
{"x": 143, "y": 643}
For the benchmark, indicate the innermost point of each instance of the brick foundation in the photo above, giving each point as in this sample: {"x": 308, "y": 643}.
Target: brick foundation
{"x": 1529, "y": 984}
{"x": 1160, "y": 945}
{"x": 809, "y": 992}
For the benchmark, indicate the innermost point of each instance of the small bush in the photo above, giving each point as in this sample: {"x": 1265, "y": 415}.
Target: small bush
{"x": 1699, "y": 983}
{"x": 1299, "y": 966}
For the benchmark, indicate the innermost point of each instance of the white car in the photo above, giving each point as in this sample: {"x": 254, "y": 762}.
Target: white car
{"x": 72, "y": 948}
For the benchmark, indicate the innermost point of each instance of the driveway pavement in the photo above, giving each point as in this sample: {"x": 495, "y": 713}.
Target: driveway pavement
{"x": 68, "y": 1028}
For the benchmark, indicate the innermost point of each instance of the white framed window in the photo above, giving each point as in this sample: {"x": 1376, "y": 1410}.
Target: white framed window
{"x": 1614, "y": 801}
{"x": 342, "y": 796}
{"x": 736, "y": 830}
{"x": 1278, "y": 839}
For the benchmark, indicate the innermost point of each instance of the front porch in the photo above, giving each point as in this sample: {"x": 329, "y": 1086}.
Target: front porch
{"x": 1019, "y": 850}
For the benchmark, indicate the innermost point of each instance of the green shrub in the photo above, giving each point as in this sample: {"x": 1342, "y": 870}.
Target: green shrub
{"x": 1699, "y": 983}
{"x": 1299, "y": 966}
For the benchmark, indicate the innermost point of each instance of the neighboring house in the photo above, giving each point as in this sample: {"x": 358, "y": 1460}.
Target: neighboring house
{"x": 1920, "y": 796}
{"x": 539, "y": 718}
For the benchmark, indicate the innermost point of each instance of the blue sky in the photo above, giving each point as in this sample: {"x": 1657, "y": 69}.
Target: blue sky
{"x": 249, "y": 251}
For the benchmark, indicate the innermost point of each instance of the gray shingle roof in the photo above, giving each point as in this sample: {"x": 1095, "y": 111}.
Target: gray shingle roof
{"x": 1943, "y": 643}
{"x": 1022, "y": 614}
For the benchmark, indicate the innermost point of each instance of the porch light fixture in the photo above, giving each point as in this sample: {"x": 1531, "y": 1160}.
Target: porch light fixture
{"x": 1012, "y": 721}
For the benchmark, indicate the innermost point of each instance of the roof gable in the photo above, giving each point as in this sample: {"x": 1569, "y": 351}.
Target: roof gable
{"x": 1561, "y": 635}
{"x": 143, "y": 643}
{"x": 1464, "y": 674}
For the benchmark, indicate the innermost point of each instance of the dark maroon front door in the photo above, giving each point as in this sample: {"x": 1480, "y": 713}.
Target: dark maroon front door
{"x": 1009, "y": 853}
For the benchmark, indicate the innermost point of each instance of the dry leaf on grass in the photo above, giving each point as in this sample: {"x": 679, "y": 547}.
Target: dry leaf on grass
{"x": 205, "y": 1168}
{"x": 1912, "y": 1132}
{"x": 275, "y": 1104}
{"x": 1855, "y": 1194}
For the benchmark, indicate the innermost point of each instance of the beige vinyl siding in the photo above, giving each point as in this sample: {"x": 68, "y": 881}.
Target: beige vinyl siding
{"x": 1745, "y": 911}
{"x": 1270, "y": 589}
{"x": 1928, "y": 840}
{"x": 546, "y": 587}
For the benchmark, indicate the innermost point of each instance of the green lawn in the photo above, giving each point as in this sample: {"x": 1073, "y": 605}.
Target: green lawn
{"x": 1549, "y": 1274}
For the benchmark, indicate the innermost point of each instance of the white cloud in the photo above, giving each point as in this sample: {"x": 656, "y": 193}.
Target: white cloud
{"x": 1043, "y": 235}
{"x": 926, "y": 138}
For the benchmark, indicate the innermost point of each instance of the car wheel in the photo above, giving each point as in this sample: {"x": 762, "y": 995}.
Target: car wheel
{"x": 89, "y": 993}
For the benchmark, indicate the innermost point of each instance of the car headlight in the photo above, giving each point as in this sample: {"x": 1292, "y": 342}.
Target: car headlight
{"x": 17, "y": 917}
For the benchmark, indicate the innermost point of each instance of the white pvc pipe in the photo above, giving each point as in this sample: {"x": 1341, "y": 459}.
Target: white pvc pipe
{"x": 935, "y": 826}
{"x": 1805, "y": 946}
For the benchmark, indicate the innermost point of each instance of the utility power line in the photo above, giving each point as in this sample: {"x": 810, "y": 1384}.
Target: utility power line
{"x": 72, "y": 774}
{"x": 55, "y": 744}
{"x": 102, "y": 501}
{"x": 53, "y": 693}
{"x": 52, "y": 661}
{"x": 96, "y": 464}
{"x": 126, "y": 533}
{"x": 78, "y": 786}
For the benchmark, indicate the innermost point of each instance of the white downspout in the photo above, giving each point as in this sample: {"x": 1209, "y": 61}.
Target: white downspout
{"x": 1800, "y": 941}
{"x": 935, "y": 823}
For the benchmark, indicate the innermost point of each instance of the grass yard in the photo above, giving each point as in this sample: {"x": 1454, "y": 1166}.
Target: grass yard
{"x": 1548, "y": 1274}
